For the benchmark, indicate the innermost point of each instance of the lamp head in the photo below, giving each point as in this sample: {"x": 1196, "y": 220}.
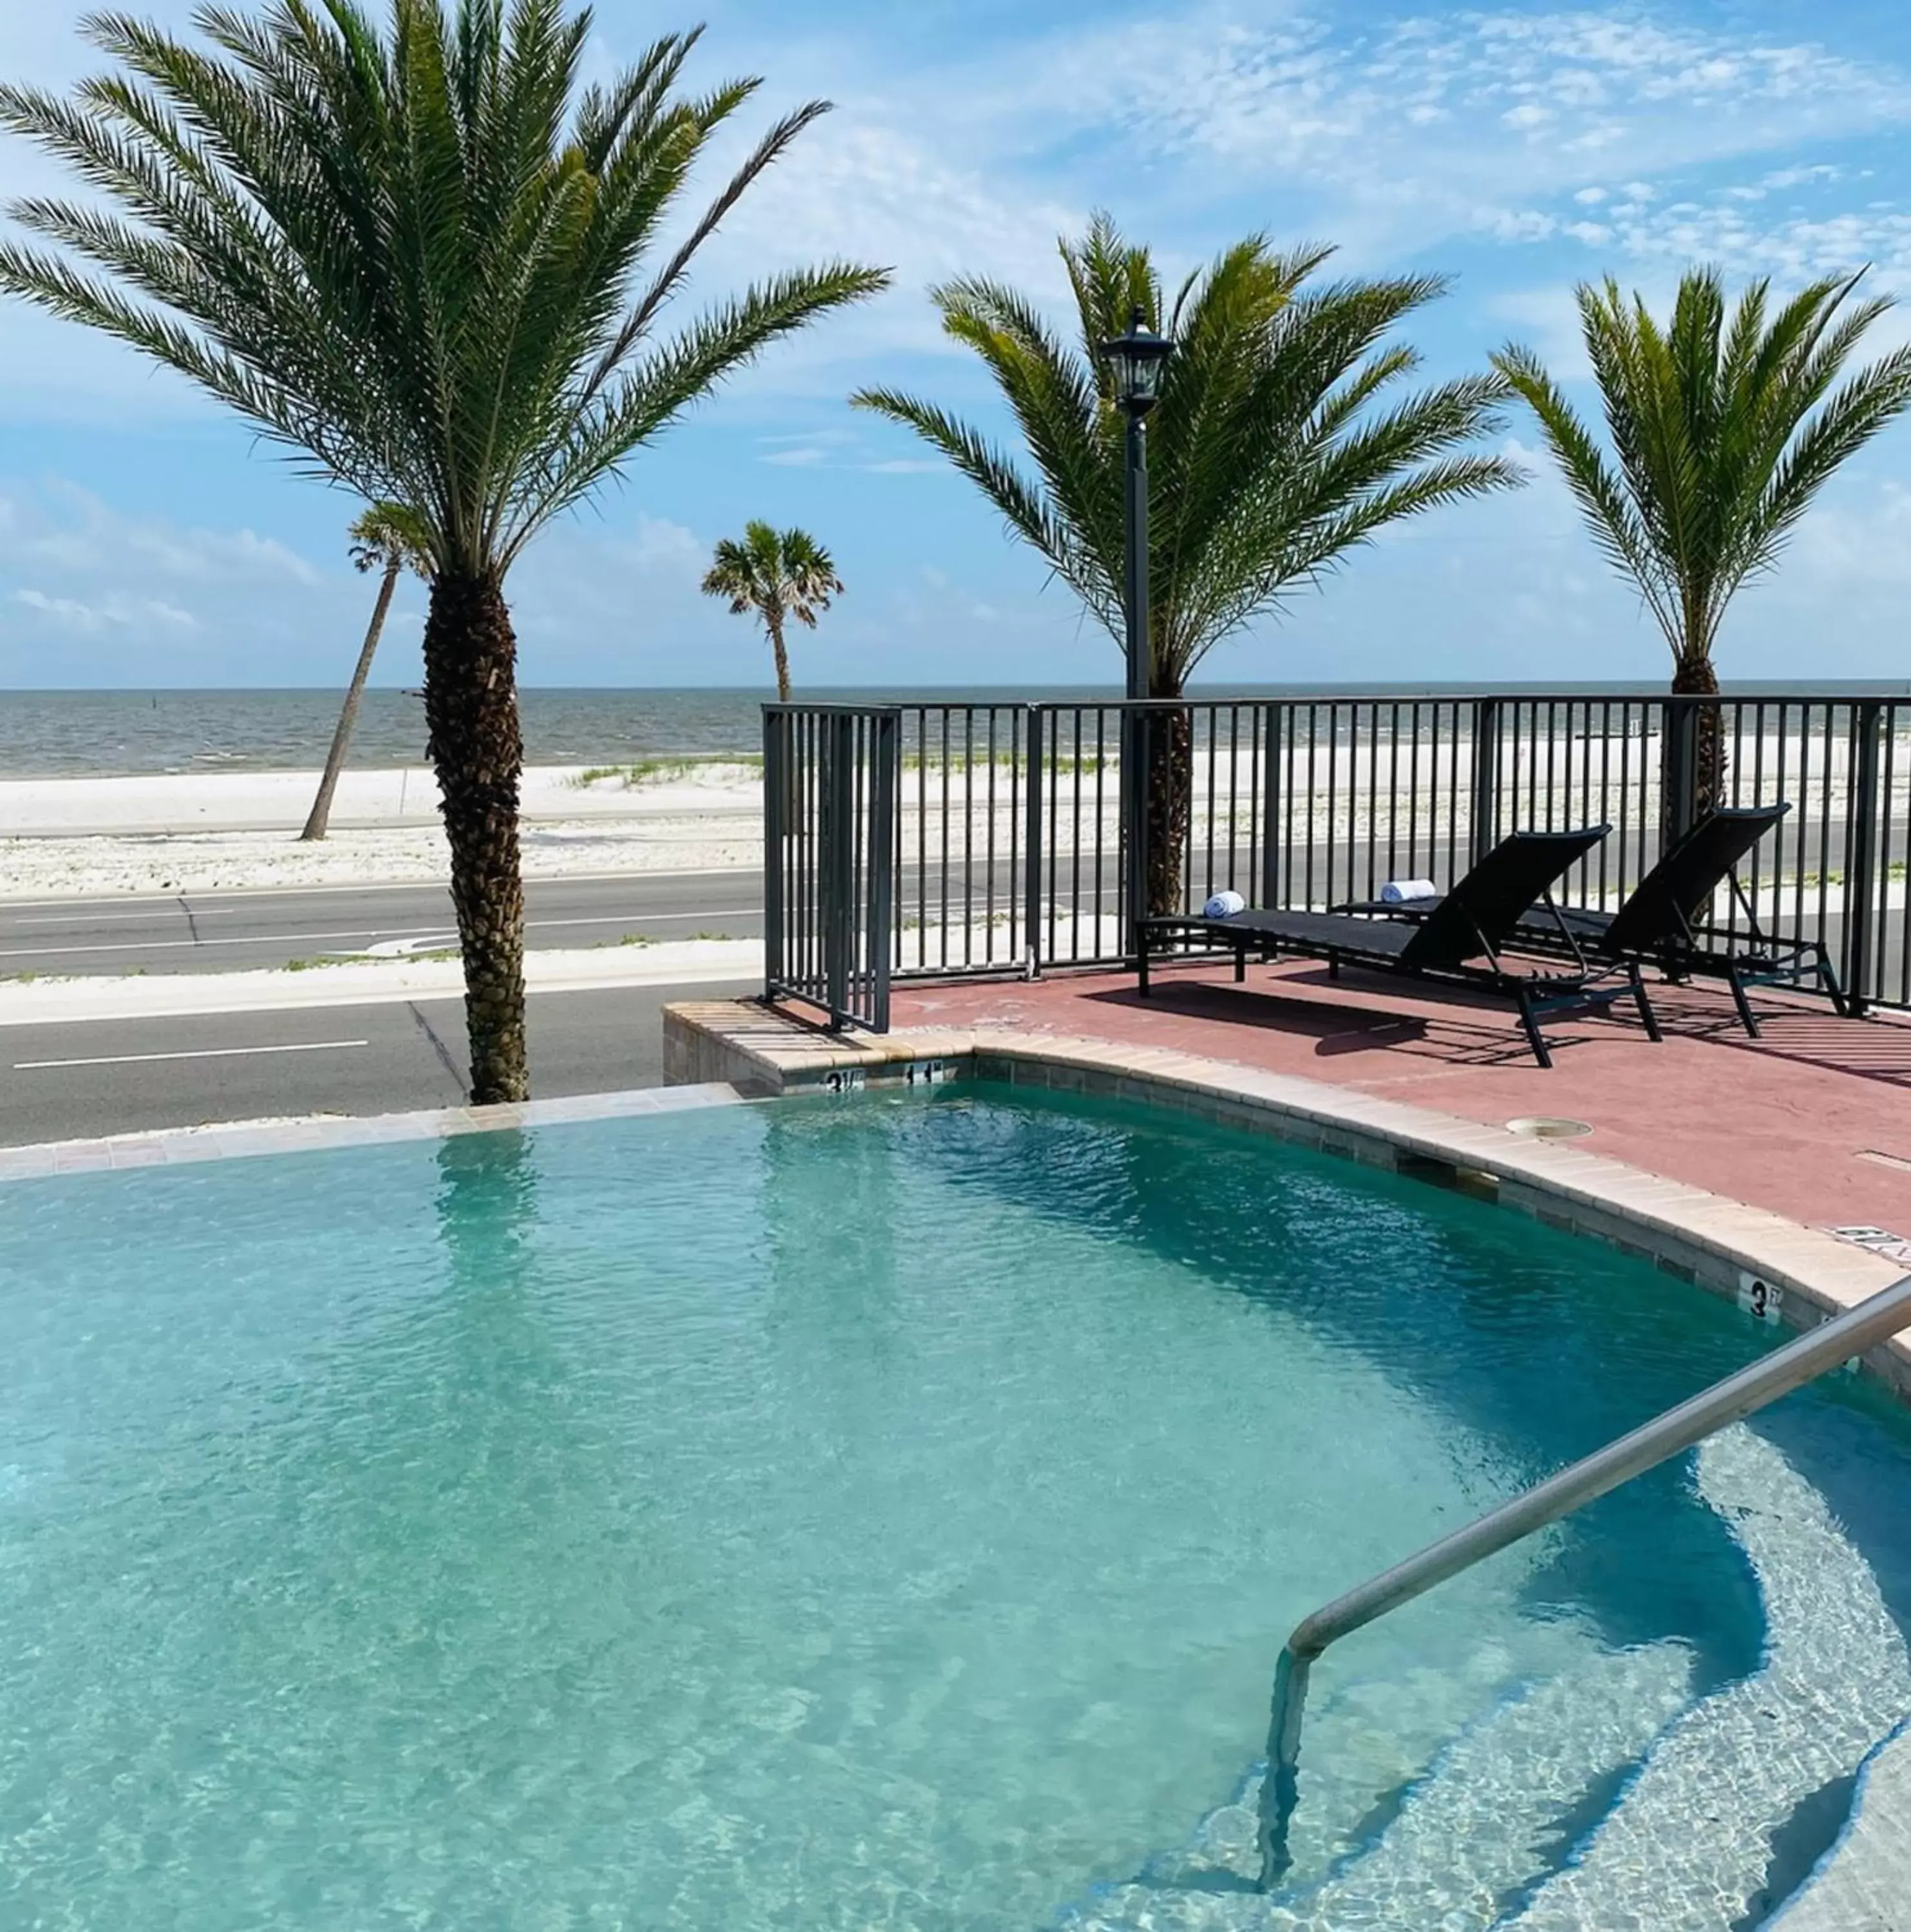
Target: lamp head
{"x": 1140, "y": 359}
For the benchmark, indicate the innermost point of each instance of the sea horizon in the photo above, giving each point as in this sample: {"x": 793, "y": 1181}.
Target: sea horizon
{"x": 173, "y": 731}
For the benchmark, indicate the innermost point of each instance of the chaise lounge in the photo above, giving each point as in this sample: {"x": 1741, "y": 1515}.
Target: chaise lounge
{"x": 1660, "y": 924}
{"x": 1462, "y": 941}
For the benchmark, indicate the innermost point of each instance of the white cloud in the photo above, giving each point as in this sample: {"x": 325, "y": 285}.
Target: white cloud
{"x": 113, "y": 612}
{"x": 60, "y": 526}
{"x": 1415, "y": 129}
{"x": 1793, "y": 250}
{"x": 664, "y": 548}
{"x": 1860, "y": 541}
{"x": 94, "y": 596}
{"x": 1386, "y": 136}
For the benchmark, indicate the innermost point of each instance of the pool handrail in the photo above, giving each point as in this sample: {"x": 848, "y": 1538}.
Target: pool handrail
{"x": 1831, "y": 1343}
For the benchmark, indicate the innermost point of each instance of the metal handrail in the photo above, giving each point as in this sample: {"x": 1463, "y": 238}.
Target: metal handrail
{"x": 1827, "y": 1346}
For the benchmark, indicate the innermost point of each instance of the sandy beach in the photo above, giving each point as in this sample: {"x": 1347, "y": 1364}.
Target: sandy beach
{"x": 230, "y": 831}
{"x": 99, "y": 837}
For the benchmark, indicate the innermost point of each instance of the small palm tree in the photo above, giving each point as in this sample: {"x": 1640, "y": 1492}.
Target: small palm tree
{"x": 1270, "y": 457}
{"x": 387, "y": 537}
{"x": 1722, "y": 429}
{"x": 421, "y": 258}
{"x": 777, "y": 575}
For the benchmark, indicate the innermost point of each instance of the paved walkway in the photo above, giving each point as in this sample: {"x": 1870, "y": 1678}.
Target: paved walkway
{"x": 1813, "y": 1121}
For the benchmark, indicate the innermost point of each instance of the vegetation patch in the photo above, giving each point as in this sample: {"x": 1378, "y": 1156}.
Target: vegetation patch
{"x": 665, "y": 771}
{"x": 982, "y": 760}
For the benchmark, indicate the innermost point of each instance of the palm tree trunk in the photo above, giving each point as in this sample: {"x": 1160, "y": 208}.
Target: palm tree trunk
{"x": 470, "y": 705}
{"x": 322, "y": 805}
{"x": 1694, "y": 677}
{"x": 1170, "y": 792}
{"x": 773, "y": 618}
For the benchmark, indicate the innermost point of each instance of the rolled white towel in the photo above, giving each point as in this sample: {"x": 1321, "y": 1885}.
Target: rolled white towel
{"x": 1404, "y": 892}
{"x": 1223, "y": 905}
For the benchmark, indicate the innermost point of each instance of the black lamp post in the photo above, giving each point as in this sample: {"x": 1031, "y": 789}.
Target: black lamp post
{"x": 1138, "y": 360}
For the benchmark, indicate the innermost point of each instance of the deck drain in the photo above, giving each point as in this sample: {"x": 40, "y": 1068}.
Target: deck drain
{"x": 1548, "y": 1127}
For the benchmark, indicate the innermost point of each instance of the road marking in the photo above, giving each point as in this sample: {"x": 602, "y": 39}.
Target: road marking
{"x": 201, "y": 1053}
{"x": 171, "y": 896}
{"x": 401, "y": 948}
{"x": 273, "y": 939}
{"x": 174, "y": 945}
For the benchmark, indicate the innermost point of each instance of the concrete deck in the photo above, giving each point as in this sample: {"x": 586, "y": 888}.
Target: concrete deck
{"x": 1813, "y": 1121}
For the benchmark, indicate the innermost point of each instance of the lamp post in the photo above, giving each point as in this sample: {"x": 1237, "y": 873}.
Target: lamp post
{"x": 1138, "y": 361}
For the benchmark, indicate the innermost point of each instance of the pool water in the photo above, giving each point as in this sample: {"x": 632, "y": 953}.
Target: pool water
{"x": 882, "y": 1512}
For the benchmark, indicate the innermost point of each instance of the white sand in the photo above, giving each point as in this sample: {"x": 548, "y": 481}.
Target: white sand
{"x": 97, "y": 837}
{"x": 100, "y": 837}
{"x": 279, "y": 801}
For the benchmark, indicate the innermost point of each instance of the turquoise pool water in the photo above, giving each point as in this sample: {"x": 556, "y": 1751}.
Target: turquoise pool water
{"x": 834, "y": 1515}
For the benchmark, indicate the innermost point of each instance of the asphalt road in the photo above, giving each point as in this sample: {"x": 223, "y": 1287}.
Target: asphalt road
{"x": 129, "y": 1076}
{"x": 216, "y": 931}
{"x": 203, "y": 932}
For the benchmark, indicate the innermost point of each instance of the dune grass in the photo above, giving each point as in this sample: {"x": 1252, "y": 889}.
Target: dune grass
{"x": 663, "y": 771}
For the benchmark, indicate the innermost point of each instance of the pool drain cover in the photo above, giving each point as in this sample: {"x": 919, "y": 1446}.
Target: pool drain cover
{"x": 1548, "y": 1127}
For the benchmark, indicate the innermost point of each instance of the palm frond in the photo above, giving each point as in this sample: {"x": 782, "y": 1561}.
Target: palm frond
{"x": 419, "y": 254}
{"x": 1722, "y": 428}
{"x": 1267, "y": 459}
{"x": 774, "y": 573}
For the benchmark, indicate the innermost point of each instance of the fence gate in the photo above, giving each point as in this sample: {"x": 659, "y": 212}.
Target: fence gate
{"x": 829, "y": 855}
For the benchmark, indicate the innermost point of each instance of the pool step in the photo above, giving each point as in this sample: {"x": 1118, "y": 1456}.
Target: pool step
{"x": 1689, "y": 1847}
{"x": 1863, "y": 1883}
{"x": 1489, "y": 1819}
{"x": 1368, "y": 1745}
{"x": 1482, "y": 1823}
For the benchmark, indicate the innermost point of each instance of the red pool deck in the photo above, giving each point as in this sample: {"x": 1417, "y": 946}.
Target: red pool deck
{"x": 1812, "y": 1121}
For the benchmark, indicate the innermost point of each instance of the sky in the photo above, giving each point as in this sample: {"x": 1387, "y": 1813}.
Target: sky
{"x": 147, "y": 540}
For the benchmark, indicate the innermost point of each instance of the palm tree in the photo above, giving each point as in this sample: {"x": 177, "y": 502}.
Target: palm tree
{"x": 777, "y": 575}
{"x": 386, "y": 536}
{"x": 421, "y": 257}
{"x": 1268, "y": 464}
{"x": 1723, "y": 430}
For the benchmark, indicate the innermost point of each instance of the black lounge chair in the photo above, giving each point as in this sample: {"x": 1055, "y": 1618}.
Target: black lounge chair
{"x": 1660, "y": 922}
{"x": 1460, "y": 942}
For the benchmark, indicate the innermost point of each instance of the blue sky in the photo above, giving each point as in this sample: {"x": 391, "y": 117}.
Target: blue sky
{"x": 145, "y": 540}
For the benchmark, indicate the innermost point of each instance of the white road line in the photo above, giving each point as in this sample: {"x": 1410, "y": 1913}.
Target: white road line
{"x": 202, "y": 1053}
{"x": 206, "y": 901}
{"x": 175, "y": 945}
{"x": 304, "y": 938}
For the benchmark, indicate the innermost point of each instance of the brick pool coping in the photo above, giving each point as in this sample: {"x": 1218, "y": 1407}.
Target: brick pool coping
{"x": 1723, "y": 1246}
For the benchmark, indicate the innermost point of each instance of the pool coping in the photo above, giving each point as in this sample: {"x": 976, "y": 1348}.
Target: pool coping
{"x": 1778, "y": 1269}
{"x": 180, "y": 1147}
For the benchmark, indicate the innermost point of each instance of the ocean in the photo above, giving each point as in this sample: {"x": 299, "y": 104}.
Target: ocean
{"x": 103, "y": 733}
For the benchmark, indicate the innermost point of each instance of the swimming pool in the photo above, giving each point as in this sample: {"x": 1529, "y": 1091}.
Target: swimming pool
{"x": 839, "y": 1514}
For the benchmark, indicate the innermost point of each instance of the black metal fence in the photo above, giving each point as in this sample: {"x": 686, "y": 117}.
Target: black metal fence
{"x": 829, "y": 812}
{"x": 1006, "y": 852}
